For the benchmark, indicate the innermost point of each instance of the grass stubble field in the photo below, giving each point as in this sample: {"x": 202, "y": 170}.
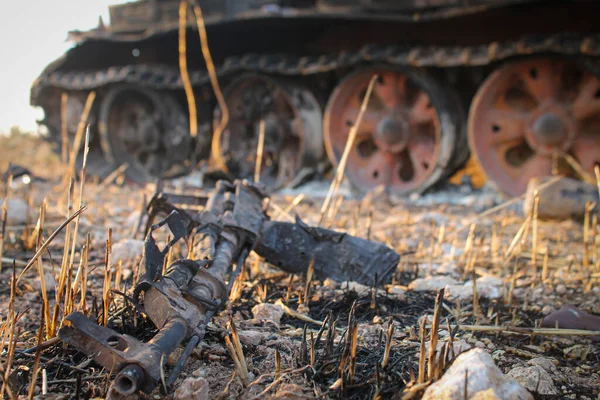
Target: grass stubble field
{"x": 299, "y": 337}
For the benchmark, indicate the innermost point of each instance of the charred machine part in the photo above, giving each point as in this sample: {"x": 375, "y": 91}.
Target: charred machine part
{"x": 511, "y": 83}
{"x": 230, "y": 223}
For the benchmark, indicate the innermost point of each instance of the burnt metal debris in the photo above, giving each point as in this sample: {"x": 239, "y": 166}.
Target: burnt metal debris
{"x": 230, "y": 223}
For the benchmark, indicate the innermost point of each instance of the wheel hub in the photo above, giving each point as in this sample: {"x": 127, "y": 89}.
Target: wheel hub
{"x": 550, "y": 129}
{"x": 392, "y": 133}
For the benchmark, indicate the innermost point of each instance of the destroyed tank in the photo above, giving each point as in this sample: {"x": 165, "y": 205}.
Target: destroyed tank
{"x": 512, "y": 83}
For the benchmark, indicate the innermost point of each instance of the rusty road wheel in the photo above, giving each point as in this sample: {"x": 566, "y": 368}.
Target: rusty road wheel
{"x": 293, "y": 133}
{"x": 148, "y": 131}
{"x": 407, "y": 137}
{"x": 529, "y": 109}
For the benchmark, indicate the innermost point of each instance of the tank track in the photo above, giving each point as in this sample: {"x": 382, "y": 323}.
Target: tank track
{"x": 167, "y": 77}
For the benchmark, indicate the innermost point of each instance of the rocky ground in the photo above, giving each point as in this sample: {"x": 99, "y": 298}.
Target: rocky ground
{"x": 501, "y": 275}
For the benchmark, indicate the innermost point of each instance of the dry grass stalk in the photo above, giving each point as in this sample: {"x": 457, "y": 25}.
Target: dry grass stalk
{"x": 573, "y": 163}
{"x": 259, "y": 150}
{"x": 44, "y": 290}
{"x": 334, "y": 210}
{"x": 38, "y": 353}
{"x": 422, "y": 356}
{"x": 389, "y": 336}
{"x": 528, "y": 331}
{"x": 475, "y": 297}
{"x": 107, "y": 278}
{"x": 434, "y": 334}
{"x": 64, "y": 98}
{"x": 12, "y": 338}
{"x": 286, "y": 211}
{"x": 4, "y": 218}
{"x": 369, "y": 224}
{"x": 520, "y": 234}
{"x": 82, "y": 272}
{"x": 183, "y": 69}
{"x": 237, "y": 354}
{"x": 339, "y": 171}
{"x": 64, "y": 268}
{"x": 586, "y": 233}
{"x": 212, "y": 73}
{"x": 277, "y": 364}
{"x": 534, "y": 233}
{"x": 296, "y": 314}
{"x": 79, "y": 135}
{"x": 353, "y": 347}
{"x": 545, "y": 266}
{"x": 309, "y": 276}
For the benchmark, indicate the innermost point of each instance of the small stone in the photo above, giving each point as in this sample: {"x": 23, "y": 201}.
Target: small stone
{"x": 432, "y": 283}
{"x": 17, "y": 211}
{"x": 253, "y": 338}
{"x": 330, "y": 284}
{"x": 290, "y": 391}
{"x": 534, "y": 378}
{"x": 561, "y": 288}
{"x": 398, "y": 293}
{"x": 356, "y": 287}
{"x": 126, "y": 249}
{"x": 192, "y": 389}
{"x": 483, "y": 378}
{"x": 548, "y": 310}
{"x": 268, "y": 312}
{"x": 545, "y": 363}
{"x": 480, "y": 344}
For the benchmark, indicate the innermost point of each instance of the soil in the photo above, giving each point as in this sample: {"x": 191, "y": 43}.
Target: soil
{"x": 441, "y": 229}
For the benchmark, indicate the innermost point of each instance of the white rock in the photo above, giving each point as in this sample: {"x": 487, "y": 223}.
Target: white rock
{"x": 439, "y": 269}
{"x": 561, "y": 288}
{"x": 543, "y": 362}
{"x": 17, "y": 211}
{"x": 192, "y": 389}
{"x": 397, "y": 293}
{"x": 267, "y": 312}
{"x": 487, "y": 286}
{"x": 534, "y": 378}
{"x": 432, "y": 283}
{"x": 126, "y": 249}
{"x": 356, "y": 287}
{"x": 482, "y": 375}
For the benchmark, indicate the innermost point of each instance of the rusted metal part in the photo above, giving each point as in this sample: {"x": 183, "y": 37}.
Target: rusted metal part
{"x": 341, "y": 257}
{"x": 529, "y": 109}
{"x": 161, "y": 77}
{"x": 293, "y": 135}
{"x": 182, "y": 302}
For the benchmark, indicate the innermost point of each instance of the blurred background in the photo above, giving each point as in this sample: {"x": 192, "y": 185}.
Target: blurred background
{"x": 31, "y": 36}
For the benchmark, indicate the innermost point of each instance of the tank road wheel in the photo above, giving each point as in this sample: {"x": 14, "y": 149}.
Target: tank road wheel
{"x": 145, "y": 129}
{"x": 407, "y": 137}
{"x": 293, "y": 133}
{"x": 528, "y": 109}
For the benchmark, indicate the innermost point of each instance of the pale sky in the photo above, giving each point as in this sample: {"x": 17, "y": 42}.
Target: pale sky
{"x": 32, "y": 34}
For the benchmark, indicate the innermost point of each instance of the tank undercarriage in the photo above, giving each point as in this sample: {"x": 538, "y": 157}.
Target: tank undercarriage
{"x": 513, "y": 104}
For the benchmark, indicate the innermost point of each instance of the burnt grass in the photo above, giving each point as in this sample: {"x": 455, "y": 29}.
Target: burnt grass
{"x": 316, "y": 351}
